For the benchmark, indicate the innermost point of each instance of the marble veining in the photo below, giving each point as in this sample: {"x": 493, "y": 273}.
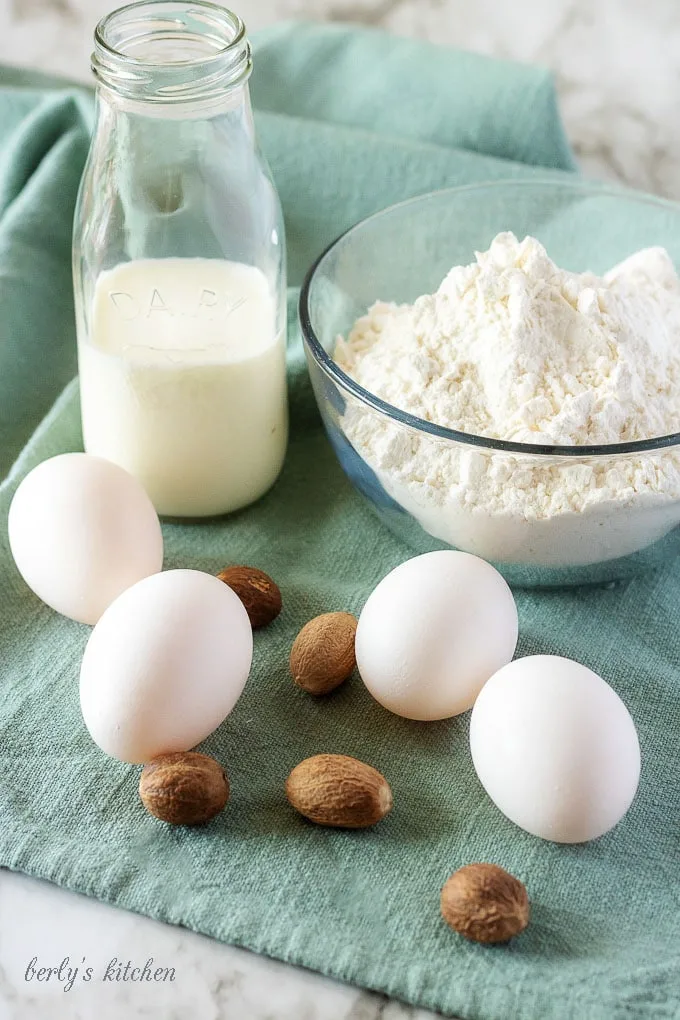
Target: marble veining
{"x": 617, "y": 67}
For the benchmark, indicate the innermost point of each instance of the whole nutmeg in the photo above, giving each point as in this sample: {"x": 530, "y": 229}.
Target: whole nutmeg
{"x": 485, "y": 903}
{"x": 184, "y": 788}
{"x": 256, "y": 590}
{"x": 336, "y": 790}
{"x": 322, "y": 656}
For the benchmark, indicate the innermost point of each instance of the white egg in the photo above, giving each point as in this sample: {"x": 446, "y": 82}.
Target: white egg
{"x": 81, "y": 531}
{"x": 433, "y": 632}
{"x": 555, "y": 748}
{"x": 165, "y": 665}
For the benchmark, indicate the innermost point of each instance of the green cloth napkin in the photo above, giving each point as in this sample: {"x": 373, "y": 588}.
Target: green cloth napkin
{"x": 350, "y": 121}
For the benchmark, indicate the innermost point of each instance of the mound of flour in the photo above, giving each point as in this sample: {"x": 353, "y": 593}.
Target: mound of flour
{"x": 514, "y": 348}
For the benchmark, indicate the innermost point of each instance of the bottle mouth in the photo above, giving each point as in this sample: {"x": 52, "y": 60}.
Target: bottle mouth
{"x": 169, "y": 51}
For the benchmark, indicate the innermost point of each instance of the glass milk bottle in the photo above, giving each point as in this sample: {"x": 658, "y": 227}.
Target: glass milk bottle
{"x": 179, "y": 264}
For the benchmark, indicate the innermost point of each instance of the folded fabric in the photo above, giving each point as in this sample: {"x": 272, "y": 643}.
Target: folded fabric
{"x": 350, "y": 121}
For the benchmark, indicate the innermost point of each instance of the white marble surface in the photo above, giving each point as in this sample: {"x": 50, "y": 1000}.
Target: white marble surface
{"x": 617, "y": 64}
{"x": 42, "y": 926}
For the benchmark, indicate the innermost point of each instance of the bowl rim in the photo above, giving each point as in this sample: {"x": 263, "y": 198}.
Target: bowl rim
{"x": 341, "y": 378}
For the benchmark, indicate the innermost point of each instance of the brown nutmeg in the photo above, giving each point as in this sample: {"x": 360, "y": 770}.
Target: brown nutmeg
{"x": 256, "y": 590}
{"x": 485, "y": 903}
{"x": 322, "y": 656}
{"x": 336, "y": 790}
{"x": 183, "y": 788}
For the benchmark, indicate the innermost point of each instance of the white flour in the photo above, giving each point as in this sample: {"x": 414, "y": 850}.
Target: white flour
{"x": 514, "y": 348}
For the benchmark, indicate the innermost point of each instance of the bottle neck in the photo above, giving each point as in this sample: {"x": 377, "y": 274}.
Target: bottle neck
{"x": 172, "y": 59}
{"x": 162, "y": 157}
{"x": 235, "y": 103}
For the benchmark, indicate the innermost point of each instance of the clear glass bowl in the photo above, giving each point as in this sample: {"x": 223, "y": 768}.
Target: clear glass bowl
{"x": 405, "y": 251}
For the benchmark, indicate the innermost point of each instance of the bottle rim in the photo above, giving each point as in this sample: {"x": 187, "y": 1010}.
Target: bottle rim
{"x": 171, "y": 51}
